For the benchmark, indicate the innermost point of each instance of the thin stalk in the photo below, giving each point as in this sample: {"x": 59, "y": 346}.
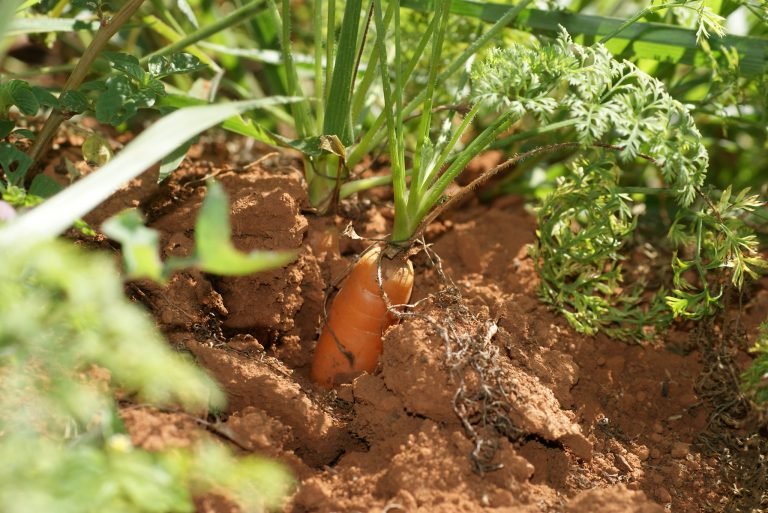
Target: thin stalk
{"x": 58, "y": 8}
{"x": 641, "y": 14}
{"x": 301, "y": 112}
{"x": 36, "y": 72}
{"x": 317, "y": 35}
{"x": 330, "y": 48}
{"x": 482, "y": 179}
{"x": 458, "y": 133}
{"x": 651, "y": 191}
{"x": 421, "y": 168}
{"x": 349, "y": 188}
{"x": 399, "y": 169}
{"x": 360, "y": 46}
{"x": 102, "y": 37}
{"x": 404, "y": 228}
{"x": 435, "y": 166}
{"x": 235, "y": 17}
{"x": 366, "y": 143}
{"x": 395, "y": 143}
{"x": 504, "y": 141}
{"x": 168, "y": 18}
{"x": 178, "y": 42}
{"x": 492, "y": 33}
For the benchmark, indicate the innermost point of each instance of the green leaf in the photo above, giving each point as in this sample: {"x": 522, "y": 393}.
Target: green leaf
{"x": 44, "y": 97}
{"x": 73, "y": 102}
{"x": 24, "y": 133}
{"x": 235, "y": 124}
{"x": 43, "y": 25}
{"x": 657, "y": 41}
{"x": 23, "y": 97}
{"x": 116, "y": 104}
{"x": 44, "y": 186}
{"x": 97, "y": 150}
{"x": 214, "y": 248}
{"x": 162, "y": 66}
{"x": 126, "y": 63}
{"x": 337, "y": 111}
{"x": 140, "y": 245}
{"x": 171, "y": 162}
{"x": 6, "y": 126}
{"x": 14, "y": 162}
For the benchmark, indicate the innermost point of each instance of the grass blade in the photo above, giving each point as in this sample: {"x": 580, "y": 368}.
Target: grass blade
{"x": 7, "y": 11}
{"x": 656, "y": 41}
{"x": 43, "y": 25}
{"x": 337, "y": 111}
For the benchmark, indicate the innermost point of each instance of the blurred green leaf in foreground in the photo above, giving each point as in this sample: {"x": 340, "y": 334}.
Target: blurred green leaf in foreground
{"x": 64, "y": 321}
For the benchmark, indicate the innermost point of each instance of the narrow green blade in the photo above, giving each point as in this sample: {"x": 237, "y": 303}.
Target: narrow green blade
{"x": 213, "y": 246}
{"x": 657, "y": 41}
{"x": 58, "y": 213}
{"x": 337, "y": 110}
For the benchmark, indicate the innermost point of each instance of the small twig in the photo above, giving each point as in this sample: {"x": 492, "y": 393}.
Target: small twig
{"x": 212, "y": 428}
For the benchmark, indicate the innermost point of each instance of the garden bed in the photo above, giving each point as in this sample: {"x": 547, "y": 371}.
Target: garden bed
{"x": 485, "y": 400}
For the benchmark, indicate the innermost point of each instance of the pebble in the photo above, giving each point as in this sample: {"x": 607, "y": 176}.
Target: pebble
{"x": 642, "y": 452}
{"x": 680, "y": 449}
{"x": 600, "y": 361}
{"x": 655, "y": 453}
{"x": 658, "y": 427}
{"x": 656, "y": 438}
{"x": 663, "y": 495}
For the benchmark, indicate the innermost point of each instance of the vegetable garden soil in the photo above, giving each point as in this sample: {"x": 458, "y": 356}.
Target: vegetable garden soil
{"x": 485, "y": 400}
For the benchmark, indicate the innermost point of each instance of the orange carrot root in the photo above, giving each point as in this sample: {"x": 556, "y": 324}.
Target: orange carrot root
{"x": 351, "y": 339}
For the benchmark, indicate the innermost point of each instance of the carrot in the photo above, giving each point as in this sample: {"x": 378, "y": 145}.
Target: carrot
{"x": 350, "y": 342}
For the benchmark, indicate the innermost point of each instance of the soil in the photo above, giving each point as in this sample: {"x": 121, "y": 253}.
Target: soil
{"x": 484, "y": 400}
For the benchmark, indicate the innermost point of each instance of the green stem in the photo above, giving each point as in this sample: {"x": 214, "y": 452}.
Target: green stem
{"x": 425, "y": 123}
{"x": 653, "y": 191}
{"x": 330, "y": 48}
{"x": 363, "y": 184}
{"x": 359, "y": 152}
{"x": 36, "y": 72}
{"x": 406, "y": 223}
{"x": 393, "y": 118}
{"x": 178, "y": 42}
{"x": 317, "y": 35}
{"x": 505, "y": 141}
{"x": 636, "y": 17}
{"x": 235, "y": 17}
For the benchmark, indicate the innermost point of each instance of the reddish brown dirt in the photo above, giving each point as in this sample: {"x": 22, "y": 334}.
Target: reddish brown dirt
{"x": 545, "y": 419}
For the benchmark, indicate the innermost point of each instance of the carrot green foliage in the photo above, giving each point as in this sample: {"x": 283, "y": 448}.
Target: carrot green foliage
{"x": 583, "y": 228}
{"x": 604, "y": 100}
{"x": 613, "y": 107}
